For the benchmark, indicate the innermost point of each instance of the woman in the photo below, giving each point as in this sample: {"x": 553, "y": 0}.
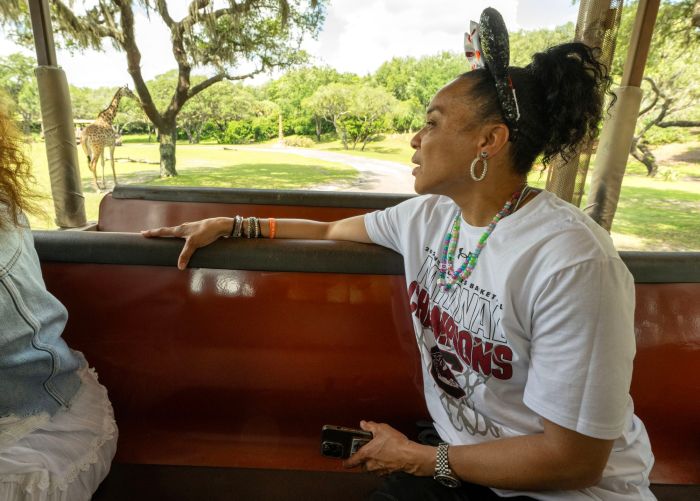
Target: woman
{"x": 57, "y": 429}
{"x": 537, "y": 320}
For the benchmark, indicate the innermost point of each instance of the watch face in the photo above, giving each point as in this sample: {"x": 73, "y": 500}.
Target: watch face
{"x": 448, "y": 480}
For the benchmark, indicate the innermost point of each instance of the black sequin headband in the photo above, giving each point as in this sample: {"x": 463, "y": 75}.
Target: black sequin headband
{"x": 486, "y": 46}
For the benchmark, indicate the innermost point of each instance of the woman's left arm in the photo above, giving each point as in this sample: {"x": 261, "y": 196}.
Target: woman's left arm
{"x": 557, "y": 459}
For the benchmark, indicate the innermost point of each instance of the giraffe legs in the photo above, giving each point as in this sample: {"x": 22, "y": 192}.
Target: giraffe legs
{"x": 96, "y": 151}
{"x": 114, "y": 172}
{"x": 102, "y": 158}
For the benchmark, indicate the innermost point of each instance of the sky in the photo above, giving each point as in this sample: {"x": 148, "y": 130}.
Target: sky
{"x": 358, "y": 35}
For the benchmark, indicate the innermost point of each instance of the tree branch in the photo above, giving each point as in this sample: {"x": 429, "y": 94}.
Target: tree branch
{"x": 662, "y": 114}
{"x": 205, "y": 84}
{"x": 655, "y": 89}
{"x": 133, "y": 58}
{"x": 679, "y": 123}
{"x": 162, "y": 9}
{"x": 77, "y": 25}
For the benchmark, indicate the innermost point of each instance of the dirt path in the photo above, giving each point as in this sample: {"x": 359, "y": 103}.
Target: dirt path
{"x": 678, "y": 152}
{"x": 376, "y": 176}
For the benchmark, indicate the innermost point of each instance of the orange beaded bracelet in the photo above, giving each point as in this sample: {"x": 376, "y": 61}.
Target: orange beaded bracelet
{"x": 273, "y": 227}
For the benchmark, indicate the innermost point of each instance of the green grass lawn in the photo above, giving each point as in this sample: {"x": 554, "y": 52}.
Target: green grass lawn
{"x": 661, "y": 213}
{"x": 197, "y": 165}
{"x": 392, "y": 147}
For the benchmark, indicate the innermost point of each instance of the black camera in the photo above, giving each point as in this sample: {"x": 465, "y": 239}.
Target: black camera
{"x": 340, "y": 442}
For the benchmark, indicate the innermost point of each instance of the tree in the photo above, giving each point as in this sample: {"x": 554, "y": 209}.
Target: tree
{"x": 420, "y": 79}
{"x": 222, "y": 37}
{"x": 332, "y": 103}
{"x": 17, "y": 80}
{"x": 397, "y": 76}
{"x": 524, "y": 44}
{"x": 672, "y": 93}
{"x": 407, "y": 116}
{"x": 369, "y": 113}
{"x": 290, "y": 90}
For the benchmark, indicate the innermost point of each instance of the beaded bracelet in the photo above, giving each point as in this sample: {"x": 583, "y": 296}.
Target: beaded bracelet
{"x": 251, "y": 227}
{"x": 273, "y": 227}
{"x": 258, "y": 233}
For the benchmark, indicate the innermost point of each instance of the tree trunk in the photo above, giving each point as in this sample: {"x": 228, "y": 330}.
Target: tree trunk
{"x": 318, "y": 128}
{"x": 190, "y": 136}
{"x": 643, "y": 154}
{"x": 167, "y": 139}
{"x": 340, "y": 131}
{"x": 280, "y": 130}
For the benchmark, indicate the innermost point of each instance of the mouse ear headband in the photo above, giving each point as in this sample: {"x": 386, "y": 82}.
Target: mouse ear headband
{"x": 486, "y": 46}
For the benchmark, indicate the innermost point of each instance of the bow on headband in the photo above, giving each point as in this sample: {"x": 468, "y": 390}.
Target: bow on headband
{"x": 486, "y": 46}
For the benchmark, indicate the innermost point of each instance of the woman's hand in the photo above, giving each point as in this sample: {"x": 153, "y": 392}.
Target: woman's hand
{"x": 197, "y": 234}
{"x": 390, "y": 451}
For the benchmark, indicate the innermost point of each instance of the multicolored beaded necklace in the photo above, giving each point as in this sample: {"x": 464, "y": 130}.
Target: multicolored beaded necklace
{"x": 447, "y": 276}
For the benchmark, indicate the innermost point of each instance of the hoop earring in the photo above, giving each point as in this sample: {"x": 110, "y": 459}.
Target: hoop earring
{"x": 472, "y": 170}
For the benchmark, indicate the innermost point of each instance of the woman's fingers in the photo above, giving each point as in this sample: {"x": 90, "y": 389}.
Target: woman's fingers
{"x": 166, "y": 231}
{"x": 196, "y": 235}
{"x": 186, "y": 254}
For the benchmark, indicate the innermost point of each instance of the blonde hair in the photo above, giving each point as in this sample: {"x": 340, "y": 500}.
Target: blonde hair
{"x": 15, "y": 173}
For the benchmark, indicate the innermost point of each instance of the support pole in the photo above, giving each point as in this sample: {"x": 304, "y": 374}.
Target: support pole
{"x": 618, "y": 130}
{"x": 57, "y": 123}
{"x": 597, "y": 25}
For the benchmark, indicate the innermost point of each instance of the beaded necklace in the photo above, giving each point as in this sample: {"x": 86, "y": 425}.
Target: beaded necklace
{"x": 447, "y": 276}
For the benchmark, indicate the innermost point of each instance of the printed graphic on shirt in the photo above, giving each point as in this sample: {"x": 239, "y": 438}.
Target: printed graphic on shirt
{"x": 461, "y": 342}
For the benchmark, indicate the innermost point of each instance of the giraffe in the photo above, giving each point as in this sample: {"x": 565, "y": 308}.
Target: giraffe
{"x": 100, "y": 134}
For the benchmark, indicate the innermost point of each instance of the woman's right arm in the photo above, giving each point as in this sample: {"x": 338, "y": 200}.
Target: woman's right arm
{"x": 202, "y": 233}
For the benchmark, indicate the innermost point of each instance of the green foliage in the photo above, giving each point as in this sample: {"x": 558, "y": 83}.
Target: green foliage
{"x": 253, "y": 130}
{"x": 660, "y": 135}
{"x": 18, "y": 83}
{"x": 524, "y": 44}
{"x": 290, "y": 90}
{"x": 671, "y": 64}
{"x": 238, "y": 132}
{"x": 299, "y": 142}
{"x": 369, "y": 114}
{"x": 407, "y": 116}
{"x": 358, "y": 112}
{"x": 419, "y": 79}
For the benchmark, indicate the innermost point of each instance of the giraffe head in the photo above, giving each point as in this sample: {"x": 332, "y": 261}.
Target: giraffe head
{"x": 126, "y": 92}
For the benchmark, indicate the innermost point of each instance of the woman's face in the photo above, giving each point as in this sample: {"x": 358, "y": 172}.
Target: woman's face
{"x": 447, "y": 143}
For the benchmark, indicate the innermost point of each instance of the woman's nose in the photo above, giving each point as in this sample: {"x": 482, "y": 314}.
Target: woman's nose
{"x": 415, "y": 141}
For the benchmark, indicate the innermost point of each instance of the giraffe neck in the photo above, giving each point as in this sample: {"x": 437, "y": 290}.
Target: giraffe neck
{"x": 108, "y": 113}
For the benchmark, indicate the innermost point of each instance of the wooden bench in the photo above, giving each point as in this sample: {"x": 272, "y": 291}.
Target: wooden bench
{"x": 222, "y": 375}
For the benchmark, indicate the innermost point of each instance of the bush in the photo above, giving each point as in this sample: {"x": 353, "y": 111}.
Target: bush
{"x": 238, "y": 132}
{"x": 299, "y": 141}
{"x": 668, "y": 135}
{"x": 668, "y": 174}
{"x": 264, "y": 128}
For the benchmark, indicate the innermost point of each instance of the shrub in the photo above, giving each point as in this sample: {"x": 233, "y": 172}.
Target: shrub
{"x": 239, "y": 132}
{"x": 668, "y": 135}
{"x": 299, "y": 141}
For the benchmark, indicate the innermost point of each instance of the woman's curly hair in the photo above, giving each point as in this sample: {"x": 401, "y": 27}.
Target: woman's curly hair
{"x": 560, "y": 95}
{"x": 16, "y": 178}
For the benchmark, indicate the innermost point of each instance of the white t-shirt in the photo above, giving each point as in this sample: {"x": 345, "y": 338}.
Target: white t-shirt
{"x": 543, "y": 327}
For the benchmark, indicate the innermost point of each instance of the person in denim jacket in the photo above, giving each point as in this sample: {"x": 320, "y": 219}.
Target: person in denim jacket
{"x": 57, "y": 429}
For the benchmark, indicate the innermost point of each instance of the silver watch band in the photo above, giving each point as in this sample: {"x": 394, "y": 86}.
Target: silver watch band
{"x": 443, "y": 472}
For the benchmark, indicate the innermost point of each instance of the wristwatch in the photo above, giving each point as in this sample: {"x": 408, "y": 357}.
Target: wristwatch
{"x": 443, "y": 473}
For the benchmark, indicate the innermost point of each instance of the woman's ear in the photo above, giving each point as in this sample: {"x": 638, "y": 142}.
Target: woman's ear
{"x": 493, "y": 138}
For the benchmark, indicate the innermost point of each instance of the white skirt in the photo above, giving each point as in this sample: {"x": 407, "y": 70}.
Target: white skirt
{"x": 66, "y": 458}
